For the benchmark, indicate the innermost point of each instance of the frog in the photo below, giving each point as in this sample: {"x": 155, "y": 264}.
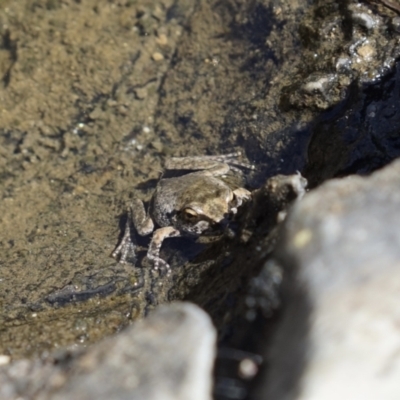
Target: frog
{"x": 198, "y": 202}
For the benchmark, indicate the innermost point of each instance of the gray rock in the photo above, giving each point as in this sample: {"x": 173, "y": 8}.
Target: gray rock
{"x": 339, "y": 336}
{"x": 168, "y": 355}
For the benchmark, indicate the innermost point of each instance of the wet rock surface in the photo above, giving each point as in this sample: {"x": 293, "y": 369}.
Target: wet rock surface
{"x": 355, "y": 80}
{"x": 338, "y": 336}
{"x": 169, "y": 355}
{"x": 349, "y": 45}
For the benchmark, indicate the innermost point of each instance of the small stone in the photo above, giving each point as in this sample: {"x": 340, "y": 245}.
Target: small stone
{"x": 95, "y": 114}
{"x": 162, "y": 39}
{"x": 248, "y": 368}
{"x": 366, "y": 51}
{"x": 141, "y": 93}
{"x": 396, "y": 24}
{"x": 157, "y": 145}
{"x": 157, "y": 56}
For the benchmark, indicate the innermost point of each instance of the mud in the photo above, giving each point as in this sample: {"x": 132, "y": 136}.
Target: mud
{"x": 94, "y": 96}
{"x": 78, "y": 95}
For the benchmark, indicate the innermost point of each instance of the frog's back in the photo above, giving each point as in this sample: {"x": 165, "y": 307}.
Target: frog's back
{"x": 173, "y": 194}
{"x": 165, "y": 200}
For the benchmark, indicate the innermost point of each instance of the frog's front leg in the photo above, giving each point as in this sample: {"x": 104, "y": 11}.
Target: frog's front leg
{"x": 153, "y": 253}
{"x": 241, "y": 195}
{"x": 143, "y": 224}
{"x": 141, "y": 220}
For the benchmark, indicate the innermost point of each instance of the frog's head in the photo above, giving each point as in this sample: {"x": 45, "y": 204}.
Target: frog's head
{"x": 206, "y": 215}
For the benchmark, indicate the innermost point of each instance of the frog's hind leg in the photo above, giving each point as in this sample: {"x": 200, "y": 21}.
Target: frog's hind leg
{"x": 126, "y": 248}
{"x": 219, "y": 163}
{"x": 232, "y": 159}
{"x": 153, "y": 253}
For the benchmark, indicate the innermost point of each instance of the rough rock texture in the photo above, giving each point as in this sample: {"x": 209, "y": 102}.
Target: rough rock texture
{"x": 354, "y": 78}
{"x": 168, "y": 356}
{"x": 339, "y": 336}
{"x": 350, "y": 43}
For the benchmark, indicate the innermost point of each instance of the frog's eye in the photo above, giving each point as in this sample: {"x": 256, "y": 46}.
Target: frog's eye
{"x": 190, "y": 215}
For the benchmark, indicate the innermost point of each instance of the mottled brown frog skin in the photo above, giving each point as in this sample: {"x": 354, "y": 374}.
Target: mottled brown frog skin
{"x": 195, "y": 204}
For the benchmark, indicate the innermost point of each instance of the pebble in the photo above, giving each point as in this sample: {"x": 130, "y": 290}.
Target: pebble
{"x": 157, "y": 56}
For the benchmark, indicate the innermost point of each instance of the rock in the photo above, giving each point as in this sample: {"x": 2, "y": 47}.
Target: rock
{"x": 354, "y": 82}
{"x": 169, "y": 355}
{"x": 339, "y": 333}
{"x": 349, "y": 45}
